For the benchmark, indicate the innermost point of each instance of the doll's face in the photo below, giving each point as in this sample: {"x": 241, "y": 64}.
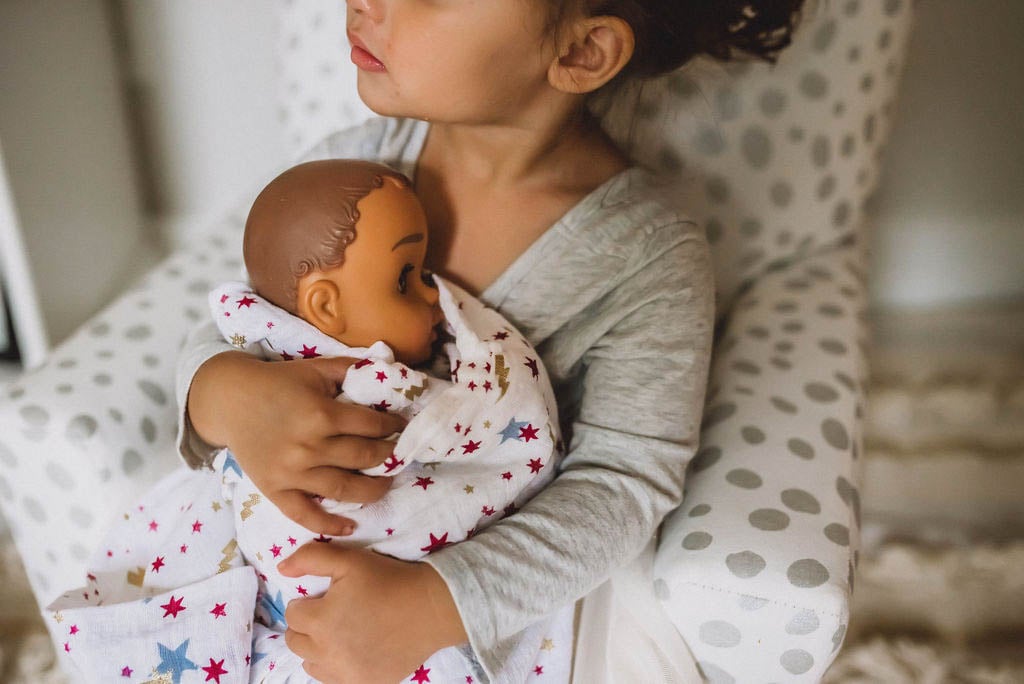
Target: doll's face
{"x": 381, "y": 291}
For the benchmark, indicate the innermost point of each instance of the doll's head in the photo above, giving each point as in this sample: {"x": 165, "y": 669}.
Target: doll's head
{"x": 341, "y": 243}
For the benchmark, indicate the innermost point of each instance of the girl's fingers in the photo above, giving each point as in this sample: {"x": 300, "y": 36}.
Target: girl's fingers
{"x": 360, "y": 421}
{"x": 352, "y": 452}
{"x": 325, "y": 560}
{"x": 342, "y": 485}
{"x": 308, "y": 513}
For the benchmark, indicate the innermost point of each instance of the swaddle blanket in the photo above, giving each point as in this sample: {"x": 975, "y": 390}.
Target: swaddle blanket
{"x": 172, "y": 591}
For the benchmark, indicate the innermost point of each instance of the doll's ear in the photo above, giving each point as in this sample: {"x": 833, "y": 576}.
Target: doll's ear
{"x": 591, "y": 52}
{"x": 318, "y": 302}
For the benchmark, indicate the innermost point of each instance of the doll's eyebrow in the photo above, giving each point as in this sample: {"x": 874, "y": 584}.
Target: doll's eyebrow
{"x": 408, "y": 239}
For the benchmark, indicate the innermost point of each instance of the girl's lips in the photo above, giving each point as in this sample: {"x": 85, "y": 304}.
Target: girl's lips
{"x": 363, "y": 58}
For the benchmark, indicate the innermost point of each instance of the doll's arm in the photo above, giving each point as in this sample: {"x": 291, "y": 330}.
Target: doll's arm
{"x": 636, "y": 428}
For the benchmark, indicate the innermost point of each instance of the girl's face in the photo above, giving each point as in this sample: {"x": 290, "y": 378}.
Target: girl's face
{"x": 465, "y": 61}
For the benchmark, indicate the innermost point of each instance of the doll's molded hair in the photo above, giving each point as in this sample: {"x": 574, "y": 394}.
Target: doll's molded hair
{"x": 302, "y": 221}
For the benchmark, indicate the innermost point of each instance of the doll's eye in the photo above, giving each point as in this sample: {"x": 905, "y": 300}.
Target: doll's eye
{"x": 403, "y": 283}
{"x": 427, "y": 277}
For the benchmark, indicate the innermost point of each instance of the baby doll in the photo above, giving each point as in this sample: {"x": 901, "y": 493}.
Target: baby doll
{"x": 335, "y": 253}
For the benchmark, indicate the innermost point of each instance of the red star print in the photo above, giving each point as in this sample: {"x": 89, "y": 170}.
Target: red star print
{"x": 502, "y": 335}
{"x": 218, "y": 610}
{"x": 471, "y": 385}
{"x": 471, "y": 364}
{"x": 390, "y": 531}
{"x": 381, "y": 376}
{"x": 73, "y": 630}
{"x": 487, "y": 386}
{"x": 197, "y": 527}
{"x": 362, "y": 363}
{"x": 532, "y": 365}
{"x": 247, "y": 658}
{"x": 527, "y": 433}
{"x": 270, "y": 324}
{"x": 285, "y": 356}
{"x": 404, "y": 372}
{"x": 322, "y": 539}
{"x": 308, "y": 352}
{"x": 487, "y": 510}
{"x": 292, "y": 541}
{"x": 506, "y": 475}
{"x": 458, "y": 427}
{"x": 158, "y": 563}
{"x": 421, "y": 675}
{"x": 392, "y": 463}
{"x": 382, "y": 405}
{"x": 153, "y": 525}
{"x": 184, "y": 548}
{"x": 173, "y": 607}
{"x": 436, "y": 543}
{"x": 469, "y": 679}
{"x": 276, "y": 550}
{"x": 488, "y": 367}
{"x": 535, "y": 465}
{"x": 110, "y": 554}
{"x": 246, "y": 301}
{"x": 126, "y": 671}
{"x": 423, "y": 482}
{"x": 214, "y": 670}
{"x": 470, "y": 446}
{"x": 302, "y": 590}
{"x": 539, "y": 670}
{"x": 223, "y": 298}
{"x": 67, "y": 647}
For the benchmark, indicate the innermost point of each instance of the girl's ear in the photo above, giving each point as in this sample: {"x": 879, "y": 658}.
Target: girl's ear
{"x": 591, "y": 52}
{"x": 318, "y": 302}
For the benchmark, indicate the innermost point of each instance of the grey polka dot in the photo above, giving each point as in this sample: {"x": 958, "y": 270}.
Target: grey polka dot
{"x": 745, "y": 564}
{"x": 131, "y": 461}
{"x": 51, "y": 556}
{"x": 756, "y": 146}
{"x": 837, "y": 638}
{"x": 714, "y": 230}
{"x": 780, "y": 363}
{"x": 807, "y": 573}
{"x": 705, "y": 458}
{"x": 748, "y": 603}
{"x": 851, "y": 7}
{"x": 80, "y": 517}
{"x": 727, "y": 104}
{"x": 116, "y": 415}
{"x": 795, "y": 134}
{"x": 661, "y": 590}
{"x": 695, "y": 541}
{"x": 669, "y": 160}
{"x": 813, "y": 85}
{"x": 34, "y": 509}
{"x": 699, "y": 510}
{"x": 718, "y": 413}
{"x": 746, "y": 367}
{"x": 826, "y": 187}
{"x": 892, "y": 7}
{"x": 153, "y": 391}
{"x": 79, "y": 552}
{"x": 804, "y": 622}
{"x": 42, "y": 581}
{"x": 841, "y": 214}
{"x": 824, "y": 36}
{"x": 148, "y": 429}
{"x": 847, "y": 492}
{"x": 16, "y": 393}
{"x": 709, "y": 141}
{"x": 59, "y": 475}
{"x": 769, "y": 519}
{"x": 773, "y": 102}
{"x": 821, "y": 151}
{"x": 781, "y": 194}
{"x": 751, "y": 227}
{"x": 783, "y": 405}
{"x": 833, "y": 346}
{"x": 683, "y": 86}
{"x": 848, "y": 145}
{"x": 35, "y": 416}
{"x": 7, "y": 456}
{"x": 869, "y": 128}
{"x": 793, "y": 327}
{"x": 64, "y": 388}
{"x": 838, "y": 534}
{"x": 846, "y": 381}
{"x": 81, "y": 427}
{"x": 717, "y": 189}
{"x": 800, "y": 501}
{"x": 5, "y": 489}
{"x": 105, "y": 354}
{"x": 752, "y": 435}
{"x": 102, "y": 379}
{"x": 138, "y": 332}
{"x": 835, "y": 434}
{"x": 831, "y": 310}
{"x": 797, "y": 661}
{"x": 100, "y": 330}
{"x": 67, "y": 363}
{"x": 746, "y": 479}
{"x": 820, "y": 392}
{"x": 199, "y": 287}
{"x": 720, "y": 634}
{"x": 151, "y": 361}
{"x": 758, "y": 331}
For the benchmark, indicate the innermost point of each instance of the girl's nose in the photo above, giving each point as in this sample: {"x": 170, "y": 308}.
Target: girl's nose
{"x": 372, "y": 9}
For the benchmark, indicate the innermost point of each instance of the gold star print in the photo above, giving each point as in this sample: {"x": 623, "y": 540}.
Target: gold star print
{"x": 215, "y": 506}
{"x": 259, "y": 556}
{"x": 468, "y": 489}
{"x": 125, "y": 516}
{"x": 137, "y": 576}
{"x": 487, "y": 425}
{"x": 547, "y": 645}
{"x": 58, "y": 617}
{"x": 238, "y": 341}
{"x": 160, "y": 678}
{"x": 432, "y": 465}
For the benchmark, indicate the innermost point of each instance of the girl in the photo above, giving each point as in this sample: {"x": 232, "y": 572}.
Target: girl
{"x": 533, "y": 209}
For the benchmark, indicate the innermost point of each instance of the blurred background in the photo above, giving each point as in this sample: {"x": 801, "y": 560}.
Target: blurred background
{"x": 145, "y": 120}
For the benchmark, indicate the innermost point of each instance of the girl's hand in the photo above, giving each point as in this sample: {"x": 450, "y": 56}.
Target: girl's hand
{"x": 291, "y": 437}
{"x": 380, "y": 619}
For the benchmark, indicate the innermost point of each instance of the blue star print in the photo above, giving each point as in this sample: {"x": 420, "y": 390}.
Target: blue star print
{"x": 231, "y": 464}
{"x": 175, "y": 661}
{"x": 511, "y": 430}
{"x": 274, "y": 607}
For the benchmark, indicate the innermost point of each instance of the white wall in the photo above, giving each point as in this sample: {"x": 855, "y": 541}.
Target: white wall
{"x": 204, "y": 89}
{"x": 951, "y": 224}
